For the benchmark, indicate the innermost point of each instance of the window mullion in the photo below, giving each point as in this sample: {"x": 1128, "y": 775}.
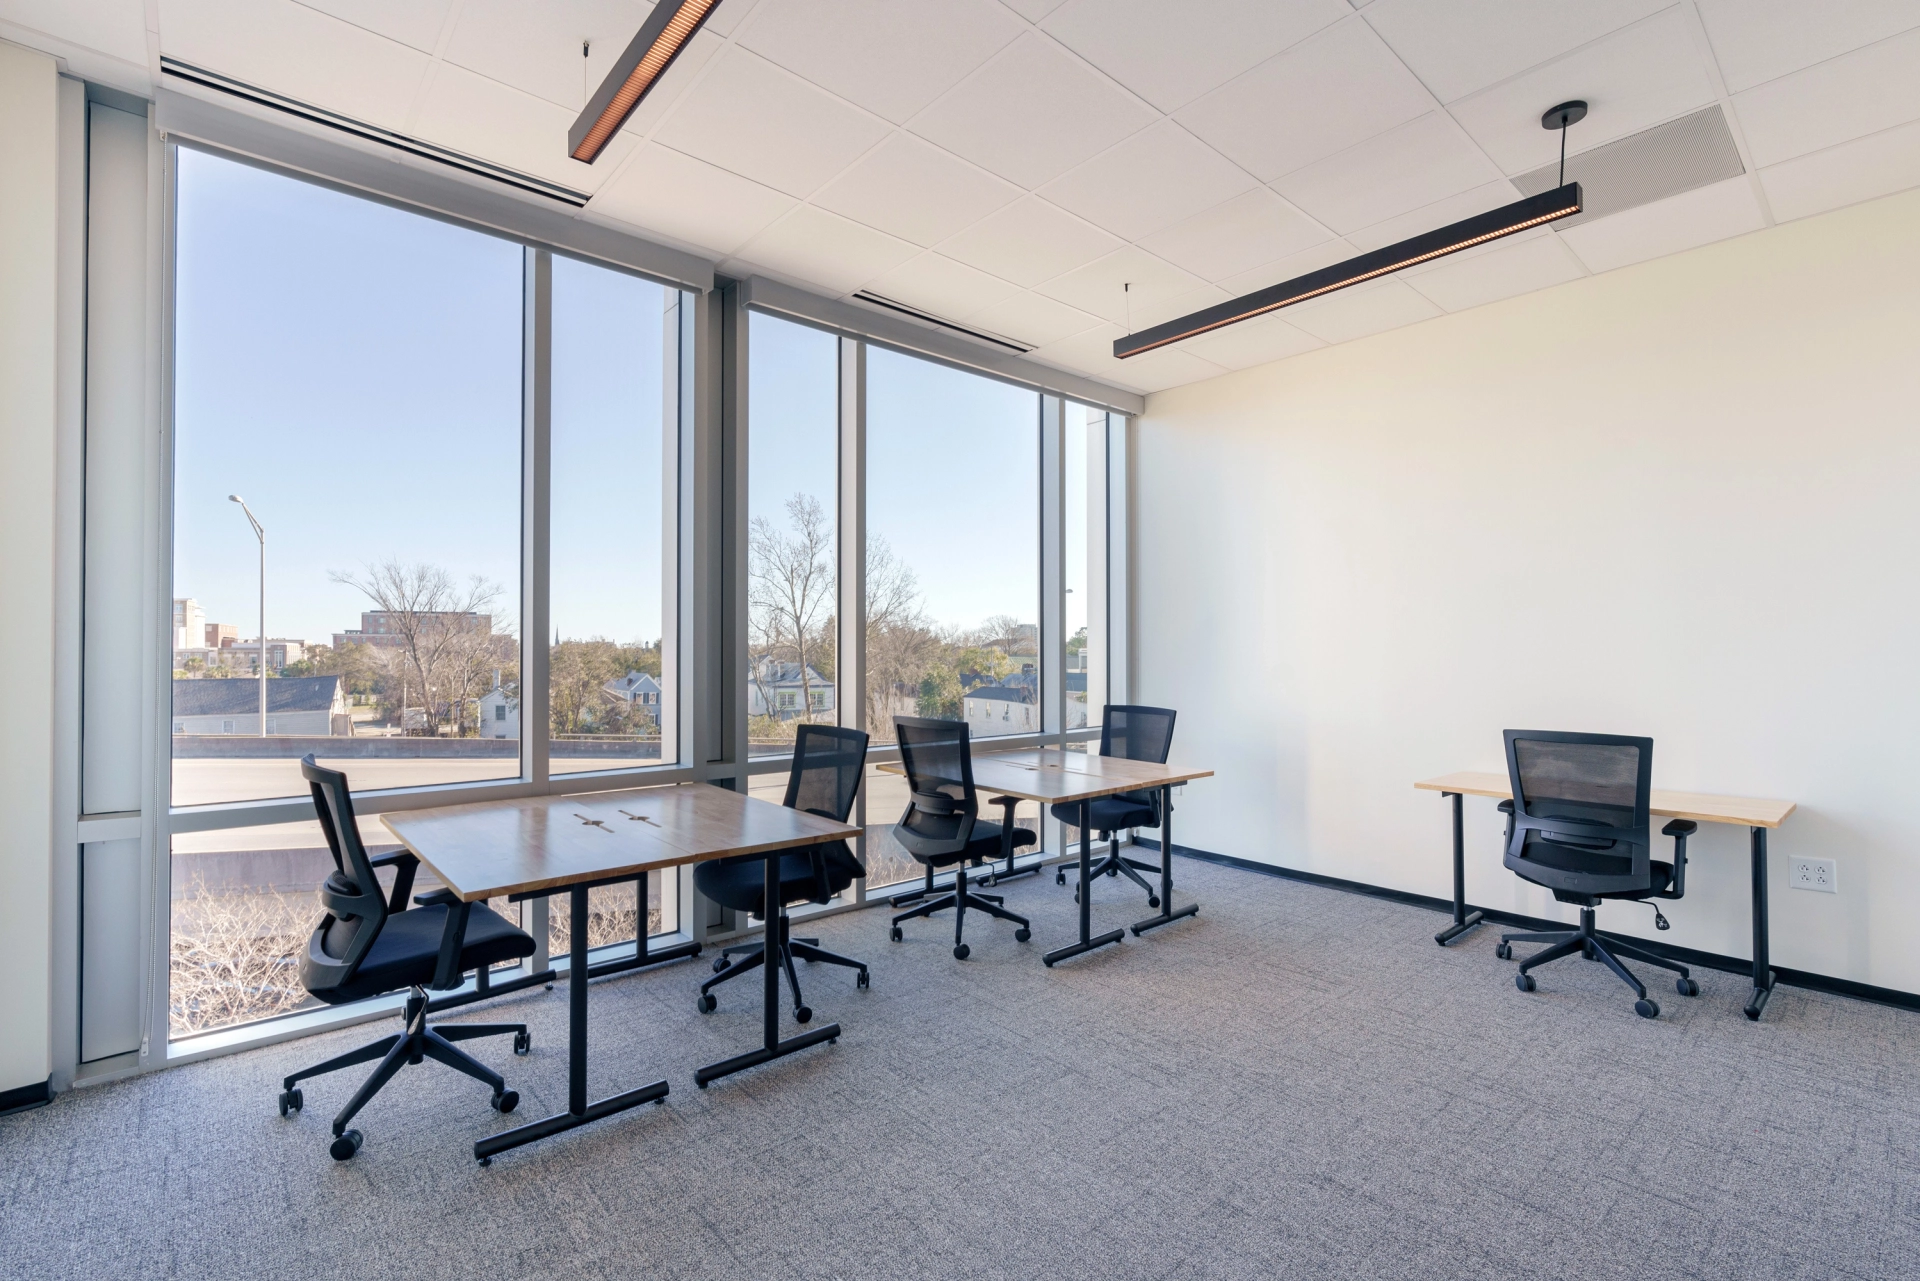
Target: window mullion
{"x": 850, "y": 648}
{"x": 535, "y": 514}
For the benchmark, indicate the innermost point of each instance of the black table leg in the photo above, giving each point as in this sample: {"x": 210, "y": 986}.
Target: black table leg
{"x": 1462, "y": 921}
{"x": 1086, "y": 943}
{"x": 1762, "y": 963}
{"x": 579, "y": 1111}
{"x": 1166, "y": 870}
{"x": 772, "y": 1047}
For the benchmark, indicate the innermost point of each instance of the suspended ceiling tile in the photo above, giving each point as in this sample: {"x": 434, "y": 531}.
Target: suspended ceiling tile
{"x": 536, "y": 48}
{"x": 688, "y": 200}
{"x": 299, "y": 52}
{"x": 117, "y": 28}
{"x": 1847, "y": 97}
{"x": 483, "y": 117}
{"x": 912, "y": 189}
{"x": 1686, "y": 221}
{"x": 1755, "y": 41}
{"x": 1029, "y": 241}
{"x": 1465, "y": 45}
{"x": 832, "y": 253}
{"x": 1440, "y": 213}
{"x": 942, "y": 287}
{"x": 1149, "y": 182}
{"x": 1236, "y": 236}
{"x": 1288, "y": 268}
{"x": 1091, "y": 353}
{"x": 1340, "y": 87}
{"x": 749, "y": 116}
{"x": 1032, "y": 319}
{"x": 1631, "y": 80}
{"x": 1128, "y": 283}
{"x": 411, "y": 22}
{"x": 1259, "y": 341}
{"x": 1032, "y": 113}
{"x": 1033, "y": 10}
{"x": 1877, "y": 165}
{"x": 1396, "y": 172}
{"x": 1371, "y": 308}
{"x": 1170, "y": 55}
{"x": 681, "y": 76}
{"x": 1506, "y": 270}
{"x": 892, "y": 57}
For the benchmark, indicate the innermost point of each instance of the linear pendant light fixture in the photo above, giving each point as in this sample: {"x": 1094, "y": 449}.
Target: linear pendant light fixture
{"x": 664, "y": 34}
{"x": 1534, "y": 211}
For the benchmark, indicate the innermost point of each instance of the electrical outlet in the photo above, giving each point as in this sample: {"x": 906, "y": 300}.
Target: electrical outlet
{"x": 1813, "y": 874}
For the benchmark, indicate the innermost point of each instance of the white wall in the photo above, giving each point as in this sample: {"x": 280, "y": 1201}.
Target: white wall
{"x": 29, "y": 187}
{"x": 1681, "y": 499}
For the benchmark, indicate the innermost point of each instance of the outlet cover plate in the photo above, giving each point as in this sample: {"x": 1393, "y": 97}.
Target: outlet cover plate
{"x": 1813, "y": 874}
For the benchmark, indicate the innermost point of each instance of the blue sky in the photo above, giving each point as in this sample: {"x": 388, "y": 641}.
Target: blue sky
{"x": 353, "y": 371}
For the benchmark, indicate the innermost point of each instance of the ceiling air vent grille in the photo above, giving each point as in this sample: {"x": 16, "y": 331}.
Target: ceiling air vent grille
{"x": 1641, "y": 168}
{"x": 1005, "y": 344}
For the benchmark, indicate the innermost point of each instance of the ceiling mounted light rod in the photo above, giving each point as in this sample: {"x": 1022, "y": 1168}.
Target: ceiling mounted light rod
{"x": 665, "y": 33}
{"x": 1534, "y": 211}
{"x": 1567, "y": 113}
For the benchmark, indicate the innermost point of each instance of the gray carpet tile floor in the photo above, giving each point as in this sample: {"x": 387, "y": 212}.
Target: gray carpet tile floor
{"x": 1297, "y": 1083}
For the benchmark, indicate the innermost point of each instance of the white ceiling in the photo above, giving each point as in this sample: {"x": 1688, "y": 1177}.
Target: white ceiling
{"x": 1061, "y": 171}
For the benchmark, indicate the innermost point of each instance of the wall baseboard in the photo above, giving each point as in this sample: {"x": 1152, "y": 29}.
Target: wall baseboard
{"x": 1685, "y": 955}
{"x": 26, "y": 1097}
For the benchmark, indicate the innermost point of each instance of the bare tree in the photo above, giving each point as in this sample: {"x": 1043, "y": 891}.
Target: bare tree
{"x": 446, "y": 643}
{"x": 791, "y": 586}
{"x": 899, "y": 642}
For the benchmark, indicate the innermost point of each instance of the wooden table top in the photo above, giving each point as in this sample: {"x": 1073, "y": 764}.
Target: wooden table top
{"x": 493, "y": 848}
{"x": 1051, "y": 775}
{"x": 1701, "y": 807}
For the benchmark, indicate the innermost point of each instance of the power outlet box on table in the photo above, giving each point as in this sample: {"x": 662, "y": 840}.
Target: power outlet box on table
{"x": 1813, "y": 874}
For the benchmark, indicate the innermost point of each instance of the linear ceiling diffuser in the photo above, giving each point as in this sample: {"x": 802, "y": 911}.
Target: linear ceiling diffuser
{"x": 664, "y": 34}
{"x": 1549, "y": 206}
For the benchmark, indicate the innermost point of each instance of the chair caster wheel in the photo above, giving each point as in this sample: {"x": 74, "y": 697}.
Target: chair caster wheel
{"x": 522, "y": 1043}
{"x": 291, "y": 1101}
{"x": 864, "y": 980}
{"x": 345, "y": 1145}
{"x": 802, "y": 1014}
{"x": 706, "y": 1003}
{"x": 1022, "y": 934}
{"x": 1524, "y": 982}
{"x": 961, "y": 951}
{"x": 1060, "y": 878}
{"x": 485, "y": 1161}
{"x": 1504, "y": 951}
{"x": 1153, "y": 900}
{"x": 1113, "y": 871}
{"x": 720, "y": 964}
{"x": 1646, "y": 1009}
{"x": 1685, "y": 987}
{"x": 506, "y": 1101}
{"x": 897, "y": 934}
{"x": 701, "y": 1084}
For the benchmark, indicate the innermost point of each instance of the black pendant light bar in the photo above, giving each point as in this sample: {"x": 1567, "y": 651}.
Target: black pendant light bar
{"x": 1534, "y": 211}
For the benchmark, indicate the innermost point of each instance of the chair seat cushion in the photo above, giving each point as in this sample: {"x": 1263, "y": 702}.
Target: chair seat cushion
{"x": 740, "y": 883}
{"x": 984, "y": 844}
{"x": 1112, "y": 813}
{"x": 1572, "y": 858}
{"x": 408, "y": 950}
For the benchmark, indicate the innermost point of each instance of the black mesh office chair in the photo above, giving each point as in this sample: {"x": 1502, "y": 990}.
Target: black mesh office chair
{"x": 1137, "y": 734}
{"x": 1577, "y": 824}
{"x": 370, "y": 943}
{"x": 827, "y": 764}
{"x": 941, "y": 826}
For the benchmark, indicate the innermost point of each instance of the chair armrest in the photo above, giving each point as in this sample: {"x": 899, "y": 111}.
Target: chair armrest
{"x": 453, "y": 940}
{"x": 405, "y": 863}
{"x": 1011, "y": 803}
{"x": 440, "y": 896}
{"x": 1506, "y": 807}
{"x": 1680, "y": 829}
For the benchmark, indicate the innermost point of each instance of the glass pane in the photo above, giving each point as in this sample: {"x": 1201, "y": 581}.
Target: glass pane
{"x": 953, "y": 569}
{"x": 352, "y": 372}
{"x": 245, "y": 902}
{"x": 612, "y": 394}
{"x": 793, "y": 406}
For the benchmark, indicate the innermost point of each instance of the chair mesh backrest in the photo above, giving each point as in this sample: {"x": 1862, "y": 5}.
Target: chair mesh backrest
{"x": 356, "y": 905}
{"x": 827, "y": 763}
{"x": 1137, "y": 733}
{"x": 1605, "y": 777}
{"x": 938, "y": 759}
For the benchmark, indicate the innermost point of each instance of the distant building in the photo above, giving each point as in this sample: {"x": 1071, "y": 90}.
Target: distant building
{"x": 777, "y": 689}
{"x": 383, "y": 629}
{"x": 220, "y": 635}
{"x": 499, "y": 713}
{"x": 189, "y": 623}
{"x": 1011, "y": 705}
{"x": 639, "y": 690}
{"x": 242, "y": 656}
{"x": 306, "y": 706}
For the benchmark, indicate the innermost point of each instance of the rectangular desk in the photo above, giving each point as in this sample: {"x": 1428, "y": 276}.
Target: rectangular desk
{"x": 532, "y": 846}
{"x": 1758, "y": 816}
{"x": 1051, "y": 776}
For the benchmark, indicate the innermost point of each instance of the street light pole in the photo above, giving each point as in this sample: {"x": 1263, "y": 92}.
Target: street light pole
{"x": 260, "y": 534}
